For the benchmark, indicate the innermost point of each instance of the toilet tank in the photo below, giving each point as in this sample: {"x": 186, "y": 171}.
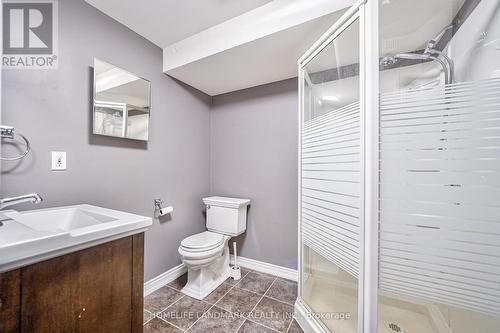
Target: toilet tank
{"x": 226, "y": 216}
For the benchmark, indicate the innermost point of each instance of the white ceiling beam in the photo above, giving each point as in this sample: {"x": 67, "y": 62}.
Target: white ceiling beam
{"x": 276, "y": 16}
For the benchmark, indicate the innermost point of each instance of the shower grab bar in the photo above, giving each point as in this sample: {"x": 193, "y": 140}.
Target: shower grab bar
{"x": 9, "y": 132}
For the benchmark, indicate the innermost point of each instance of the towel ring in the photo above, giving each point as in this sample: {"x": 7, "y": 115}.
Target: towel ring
{"x": 7, "y": 132}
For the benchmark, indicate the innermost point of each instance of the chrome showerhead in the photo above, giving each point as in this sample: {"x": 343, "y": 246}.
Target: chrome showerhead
{"x": 431, "y": 45}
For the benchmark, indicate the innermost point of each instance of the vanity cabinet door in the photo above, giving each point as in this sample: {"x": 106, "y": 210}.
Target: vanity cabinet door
{"x": 10, "y": 301}
{"x": 105, "y": 295}
{"x": 49, "y": 295}
{"x": 85, "y": 291}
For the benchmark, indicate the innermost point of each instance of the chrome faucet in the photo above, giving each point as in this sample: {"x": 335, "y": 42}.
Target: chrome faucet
{"x": 34, "y": 198}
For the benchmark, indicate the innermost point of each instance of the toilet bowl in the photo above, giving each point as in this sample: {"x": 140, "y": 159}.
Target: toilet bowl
{"x": 206, "y": 254}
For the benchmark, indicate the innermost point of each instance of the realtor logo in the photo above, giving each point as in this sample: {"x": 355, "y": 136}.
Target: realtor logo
{"x": 29, "y": 34}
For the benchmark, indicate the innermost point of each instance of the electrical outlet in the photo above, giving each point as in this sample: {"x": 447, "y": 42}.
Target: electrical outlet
{"x": 58, "y": 160}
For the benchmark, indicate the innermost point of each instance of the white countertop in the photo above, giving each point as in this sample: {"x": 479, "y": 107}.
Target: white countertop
{"x": 31, "y": 236}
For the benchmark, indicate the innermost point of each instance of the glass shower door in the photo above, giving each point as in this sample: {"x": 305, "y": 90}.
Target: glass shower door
{"x": 404, "y": 166}
{"x": 330, "y": 178}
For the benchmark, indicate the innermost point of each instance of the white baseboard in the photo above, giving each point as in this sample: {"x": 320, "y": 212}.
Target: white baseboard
{"x": 163, "y": 279}
{"x": 264, "y": 267}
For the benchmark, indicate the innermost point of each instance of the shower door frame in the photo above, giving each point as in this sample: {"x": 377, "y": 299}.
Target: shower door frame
{"x": 367, "y": 13}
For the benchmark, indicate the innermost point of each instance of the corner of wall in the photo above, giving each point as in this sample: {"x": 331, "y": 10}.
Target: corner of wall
{"x": 210, "y": 151}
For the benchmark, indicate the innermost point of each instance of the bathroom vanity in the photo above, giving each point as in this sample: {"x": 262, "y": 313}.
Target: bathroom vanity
{"x": 85, "y": 272}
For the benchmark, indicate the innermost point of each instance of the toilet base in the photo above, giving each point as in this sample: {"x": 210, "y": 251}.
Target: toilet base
{"x": 200, "y": 289}
{"x": 203, "y": 280}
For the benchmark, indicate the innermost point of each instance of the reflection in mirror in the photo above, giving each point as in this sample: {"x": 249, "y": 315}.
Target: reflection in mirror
{"x": 122, "y": 102}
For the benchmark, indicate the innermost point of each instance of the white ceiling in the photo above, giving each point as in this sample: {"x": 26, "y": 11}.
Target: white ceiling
{"x": 268, "y": 59}
{"x": 255, "y": 48}
{"x": 167, "y": 21}
{"x": 219, "y": 46}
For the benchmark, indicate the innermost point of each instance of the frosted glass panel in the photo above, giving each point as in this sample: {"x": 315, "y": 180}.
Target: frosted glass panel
{"x": 439, "y": 190}
{"x": 330, "y": 183}
{"x": 330, "y": 186}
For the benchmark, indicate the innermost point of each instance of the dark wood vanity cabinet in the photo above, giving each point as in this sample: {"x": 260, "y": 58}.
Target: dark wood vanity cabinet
{"x": 99, "y": 289}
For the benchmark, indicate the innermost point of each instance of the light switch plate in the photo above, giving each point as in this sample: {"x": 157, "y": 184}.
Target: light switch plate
{"x": 58, "y": 160}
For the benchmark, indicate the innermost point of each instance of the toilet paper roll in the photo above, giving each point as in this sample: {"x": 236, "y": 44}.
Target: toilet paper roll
{"x": 166, "y": 210}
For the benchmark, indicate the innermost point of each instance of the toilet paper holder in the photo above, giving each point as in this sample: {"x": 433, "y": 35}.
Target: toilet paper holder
{"x": 162, "y": 210}
{"x": 158, "y": 203}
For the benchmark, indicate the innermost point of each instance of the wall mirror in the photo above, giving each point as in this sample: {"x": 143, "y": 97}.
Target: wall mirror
{"x": 122, "y": 103}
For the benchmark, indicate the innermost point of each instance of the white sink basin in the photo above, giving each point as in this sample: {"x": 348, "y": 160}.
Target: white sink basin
{"x": 62, "y": 219}
{"x": 31, "y": 236}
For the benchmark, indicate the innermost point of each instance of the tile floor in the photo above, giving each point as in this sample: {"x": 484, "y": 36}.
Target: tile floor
{"x": 257, "y": 303}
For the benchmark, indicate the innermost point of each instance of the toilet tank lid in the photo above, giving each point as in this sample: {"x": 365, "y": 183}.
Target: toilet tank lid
{"x": 226, "y": 202}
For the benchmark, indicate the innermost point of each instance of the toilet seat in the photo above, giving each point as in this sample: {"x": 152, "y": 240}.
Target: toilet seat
{"x": 202, "y": 242}
{"x": 203, "y": 248}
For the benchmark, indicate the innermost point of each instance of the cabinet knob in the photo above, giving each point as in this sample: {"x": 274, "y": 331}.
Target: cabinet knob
{"x": 81, "y": 313}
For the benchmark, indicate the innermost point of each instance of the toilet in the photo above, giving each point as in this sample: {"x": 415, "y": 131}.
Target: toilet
{"x": 206, "y": 255}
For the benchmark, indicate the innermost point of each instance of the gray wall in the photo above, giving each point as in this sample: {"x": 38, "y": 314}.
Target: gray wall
{"x": 52, "y": 107}
{"x": 250, "y": 135}
{"x": 253, "y": 135}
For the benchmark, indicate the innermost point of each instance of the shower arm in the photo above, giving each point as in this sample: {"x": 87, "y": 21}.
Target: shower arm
{"x": 449, "y": 63}
{"x": 431, "y": 49}
{"x": 430, "y": 52}
{"x": 446, "y": 68}
{"x": 434, "y": 56}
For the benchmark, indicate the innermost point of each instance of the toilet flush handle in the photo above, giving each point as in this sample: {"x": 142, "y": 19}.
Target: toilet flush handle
{"x": 208, "y": 206}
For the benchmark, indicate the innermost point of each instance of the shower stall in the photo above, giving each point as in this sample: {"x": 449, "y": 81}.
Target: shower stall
{"x": 399, "y": 170}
